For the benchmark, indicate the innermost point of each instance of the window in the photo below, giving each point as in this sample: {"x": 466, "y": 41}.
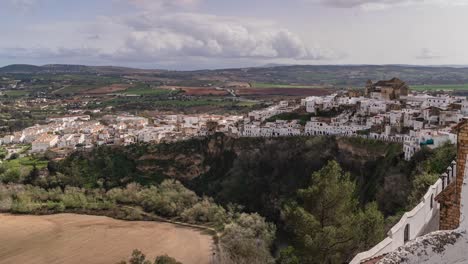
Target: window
{"x": 407, "y": 233}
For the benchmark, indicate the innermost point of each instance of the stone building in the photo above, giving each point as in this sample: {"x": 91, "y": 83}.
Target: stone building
{"x": 388, "y": 90}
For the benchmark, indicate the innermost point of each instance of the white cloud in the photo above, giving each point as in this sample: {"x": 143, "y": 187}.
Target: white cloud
{"x": 198, "y": 35}
{"x": 21, "y": 5}
{"x": 427, "y": 54}
{"x": 155, "y": 36}
{"x": 163, "y": 4}
{"x": 382, "y": 4}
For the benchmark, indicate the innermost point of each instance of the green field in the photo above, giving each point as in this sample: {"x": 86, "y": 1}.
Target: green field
{"x": 436, "y": 87}
{"x": 26, "y": 162}
{"x": 16, "y": 93}
{"x": 272, "y": 85}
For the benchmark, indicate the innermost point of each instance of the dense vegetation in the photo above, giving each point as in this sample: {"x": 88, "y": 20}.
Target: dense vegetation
{"x": 246, "y": 238}
{"x": 326, "y": 223}
{"x": 325, "y": 218}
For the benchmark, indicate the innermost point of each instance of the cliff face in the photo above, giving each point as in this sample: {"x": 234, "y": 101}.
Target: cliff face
{"x": 259, "y": 172}
{"x": 192, "y": 159}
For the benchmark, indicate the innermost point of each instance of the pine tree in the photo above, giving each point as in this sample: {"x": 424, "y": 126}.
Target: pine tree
{"x": 325, "y": 224}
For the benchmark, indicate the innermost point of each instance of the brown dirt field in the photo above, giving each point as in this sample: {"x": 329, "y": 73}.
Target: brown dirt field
{"x": 108, "y": 89}
{"x": 283, "y": 91}
{"x": 198, "y": 91}
{"x": 76, "y": 239}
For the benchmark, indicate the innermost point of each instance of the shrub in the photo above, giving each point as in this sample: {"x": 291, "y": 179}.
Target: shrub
{"x": 23, "y": 204}
{"x": 6, "y": 203}
{"x": 166, "y": 260}
{"x": 421, "y": 184}
{"x": 247, "y": 240}
{"x": 139, "y": 258}
{"x": 55, "y": 206}
{"x": 169, "y": 199}
{"x": 74, "y": 198}
{"x": 129, "y": 195}
{"x": 11, "y": 176}
{"x": 205, "y": 211}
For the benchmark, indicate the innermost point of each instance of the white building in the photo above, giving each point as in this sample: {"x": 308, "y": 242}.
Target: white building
{"x": 44, "y": 142}
{"x": 315, "y": 127}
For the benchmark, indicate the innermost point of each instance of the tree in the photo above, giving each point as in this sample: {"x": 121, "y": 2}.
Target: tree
{"x": 166, "y": 260}
{"x": 288, "y": 256}
{"x": 421, "y": 184}
{"x": 32, "y": 176}
{"x": 371, "y": 226}
{"x": 247, "y": 240}
{"x": 326, "y": 224}
{"x": 139, "y": 258}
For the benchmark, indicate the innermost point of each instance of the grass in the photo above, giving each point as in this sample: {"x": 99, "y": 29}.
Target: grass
{"x": 272, "y": 85}
{"x": 16, "y": 93}
{"x": 27, "y": 162}
{"x": 436, "y": 87}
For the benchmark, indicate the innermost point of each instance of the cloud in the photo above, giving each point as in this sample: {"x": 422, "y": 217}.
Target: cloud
{"x": 22, "y": 5}
{"x": 47, "y": 53}
{"x": 427, "y": 54}
{"x": 382, "y": 4}
{"x": 172, "y": 37}
{"x": 198, "y": 35}
{"x": 94, "y": 37}
{"x": 162, "y": 4}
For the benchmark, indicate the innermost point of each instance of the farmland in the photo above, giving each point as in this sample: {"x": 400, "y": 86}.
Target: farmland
{"x": 271, "y": 85}
{"x": 16, "y": 93}
{"x": 436, "y": 87}
{"x": 69, "y": 238}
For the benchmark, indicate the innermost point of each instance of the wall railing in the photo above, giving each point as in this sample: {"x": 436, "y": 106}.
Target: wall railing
{"x": 414, "y": 223}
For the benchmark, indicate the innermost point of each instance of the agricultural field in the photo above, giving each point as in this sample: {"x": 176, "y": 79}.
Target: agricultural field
{"x": 271, "y": 85}
{"x": 74, "y": 239}
{"x": 24, "y": 163}
{"x": 263, "y": 92}
{"x": 147, "y": 91}
{"x": 16, "y": 93}
{"x": 108, "y": 89}
{"x": 436, "y": 87}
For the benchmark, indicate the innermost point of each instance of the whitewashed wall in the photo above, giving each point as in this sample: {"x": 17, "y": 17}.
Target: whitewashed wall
{"x": 417, "y": 219}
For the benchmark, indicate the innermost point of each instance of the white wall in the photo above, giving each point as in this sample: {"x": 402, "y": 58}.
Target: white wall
{"x": 448, "y": 247}
{"x": 417, "y": 219}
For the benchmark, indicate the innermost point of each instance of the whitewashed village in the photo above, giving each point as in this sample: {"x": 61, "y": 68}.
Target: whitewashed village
{"x": 385, "y": 110}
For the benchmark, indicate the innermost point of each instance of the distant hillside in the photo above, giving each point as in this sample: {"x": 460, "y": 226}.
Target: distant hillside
{"x": 311, "y": 75}
{"x": 65, "y": 68}
{"x": 70, "y": 68}
{"x": 20, "y": 68}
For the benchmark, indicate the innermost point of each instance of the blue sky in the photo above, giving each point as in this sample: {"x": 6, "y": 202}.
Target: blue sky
{"x": 195, "y": 34}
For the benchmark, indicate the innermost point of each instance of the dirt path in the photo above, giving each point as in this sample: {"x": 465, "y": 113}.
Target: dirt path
{"x": 69, "y": 238}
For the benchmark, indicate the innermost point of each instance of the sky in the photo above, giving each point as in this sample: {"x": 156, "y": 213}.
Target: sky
{"x": 209, "y": 34}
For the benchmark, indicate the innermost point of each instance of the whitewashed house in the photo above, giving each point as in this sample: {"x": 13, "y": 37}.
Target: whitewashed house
{"x": 44, "y": 142}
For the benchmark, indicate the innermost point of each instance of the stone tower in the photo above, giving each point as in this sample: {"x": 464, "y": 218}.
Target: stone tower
{"x": 369, "y": 88}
